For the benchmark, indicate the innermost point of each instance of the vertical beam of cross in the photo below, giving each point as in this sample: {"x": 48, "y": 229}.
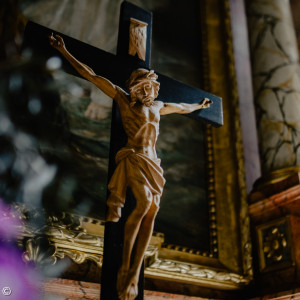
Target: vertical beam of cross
{"x": 114, "y": 232}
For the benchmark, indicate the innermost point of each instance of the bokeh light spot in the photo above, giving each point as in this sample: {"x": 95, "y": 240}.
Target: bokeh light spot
{"x": 53, "y": 63}
{"x": 34, "y": 106}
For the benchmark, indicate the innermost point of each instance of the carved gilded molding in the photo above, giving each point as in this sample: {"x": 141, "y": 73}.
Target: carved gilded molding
{"x": 36, "y": 251}
{"x": 211, "y": 184}
{"x": 68, "y": 235}
{"x": 195, "y": 274}
{"x": 275, "y": 246}
{"x": 79, "y": 257}
{"x": 80, "y": 245}
{"x": 77, "y": 244}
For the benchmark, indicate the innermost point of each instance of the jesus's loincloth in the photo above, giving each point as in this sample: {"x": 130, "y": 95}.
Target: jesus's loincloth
{"x": 134, "y": 169}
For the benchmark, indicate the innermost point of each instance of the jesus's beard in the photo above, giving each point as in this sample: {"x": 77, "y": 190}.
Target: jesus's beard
{"x": 148, "y": 101}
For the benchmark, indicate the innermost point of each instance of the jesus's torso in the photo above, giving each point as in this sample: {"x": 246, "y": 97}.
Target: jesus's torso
{"x": 141, "y": 124}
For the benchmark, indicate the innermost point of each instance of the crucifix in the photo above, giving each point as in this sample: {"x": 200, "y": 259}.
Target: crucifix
{"x": 136, "y": 179}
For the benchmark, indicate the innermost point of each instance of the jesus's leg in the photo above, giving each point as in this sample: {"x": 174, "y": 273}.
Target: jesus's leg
{"x": 132, "y": 226}
{"x": 142, "y": 242}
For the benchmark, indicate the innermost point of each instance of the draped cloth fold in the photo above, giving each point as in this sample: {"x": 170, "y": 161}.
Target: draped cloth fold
{"x": 133, "y": 170}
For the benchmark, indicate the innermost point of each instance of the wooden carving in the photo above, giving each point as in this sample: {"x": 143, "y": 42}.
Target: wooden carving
{"x": 137, "y": 38}
{"x": 137, "y": 164}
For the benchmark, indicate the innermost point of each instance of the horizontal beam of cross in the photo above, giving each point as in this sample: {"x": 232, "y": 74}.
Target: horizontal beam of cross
{"x": 118, "y": 70}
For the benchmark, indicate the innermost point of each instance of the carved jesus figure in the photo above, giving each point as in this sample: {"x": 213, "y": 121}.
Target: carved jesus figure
{"x": 138, "y": 167}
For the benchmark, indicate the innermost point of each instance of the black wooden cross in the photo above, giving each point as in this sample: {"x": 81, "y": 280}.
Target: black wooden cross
{"x": 117, "y": 68}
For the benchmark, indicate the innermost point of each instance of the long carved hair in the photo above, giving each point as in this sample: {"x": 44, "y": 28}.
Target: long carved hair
{"x": 138, "y": 76}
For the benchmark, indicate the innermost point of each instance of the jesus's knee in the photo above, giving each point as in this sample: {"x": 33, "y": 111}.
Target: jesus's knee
{"x": 154, "y": 205}
{"x": 144, "y": 199}
{"x": 156, "y": 201}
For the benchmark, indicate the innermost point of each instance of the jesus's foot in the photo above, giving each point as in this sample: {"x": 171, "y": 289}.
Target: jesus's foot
{"x": 130, "y": 290}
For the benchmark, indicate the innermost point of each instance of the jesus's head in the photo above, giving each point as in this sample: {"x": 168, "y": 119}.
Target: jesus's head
{"x": 143, "y": 87}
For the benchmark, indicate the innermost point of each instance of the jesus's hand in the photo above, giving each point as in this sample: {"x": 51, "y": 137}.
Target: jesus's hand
{"x": 57, "y": 42}
{"x": 205, "y": 103}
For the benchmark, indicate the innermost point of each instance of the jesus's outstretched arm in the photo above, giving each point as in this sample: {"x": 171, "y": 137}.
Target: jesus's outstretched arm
{"x": 183, "y": 108}
{"x": 102, "y": 83}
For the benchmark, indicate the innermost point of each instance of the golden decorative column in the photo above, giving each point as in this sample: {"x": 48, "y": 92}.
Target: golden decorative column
{"x": 276, "y": 80}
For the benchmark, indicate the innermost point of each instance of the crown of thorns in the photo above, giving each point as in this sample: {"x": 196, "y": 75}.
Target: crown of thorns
{"x": 140, "y": 75}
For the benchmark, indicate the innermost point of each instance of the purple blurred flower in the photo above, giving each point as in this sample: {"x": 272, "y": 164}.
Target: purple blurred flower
{"x": 17, "y": 280}
{"x": 17, "y": 277}
{"x": 10, "y": 222}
